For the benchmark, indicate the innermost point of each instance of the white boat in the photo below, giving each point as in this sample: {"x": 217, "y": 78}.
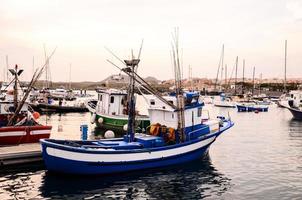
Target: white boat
{"x": 110, "y": 111}
{"x": 224, "y": 102}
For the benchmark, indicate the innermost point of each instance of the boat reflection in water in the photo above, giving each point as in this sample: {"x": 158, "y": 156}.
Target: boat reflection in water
{"x": 195, "y": 180}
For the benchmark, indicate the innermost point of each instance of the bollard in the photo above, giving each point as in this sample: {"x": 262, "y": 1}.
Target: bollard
{"x": 84, "y": 131}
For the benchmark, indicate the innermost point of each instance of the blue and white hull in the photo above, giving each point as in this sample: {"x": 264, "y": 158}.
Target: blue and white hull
{"x": 87, "y": 159}
{"x": 252, "y": 108}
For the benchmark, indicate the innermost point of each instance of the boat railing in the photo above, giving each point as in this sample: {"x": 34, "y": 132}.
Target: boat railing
{"x": 200, "y": 129}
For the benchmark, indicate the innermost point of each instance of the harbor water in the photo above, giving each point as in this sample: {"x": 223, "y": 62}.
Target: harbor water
{"x": 259, "y": 158}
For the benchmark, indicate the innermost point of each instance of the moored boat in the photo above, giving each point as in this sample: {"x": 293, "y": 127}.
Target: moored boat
{"x": 225, "y": 102}
{"x": 18, "y": 124}
{"x": 58, "y": 108}
{"x": 251, "y": 107}
{"x": 295, "y": 104}
{"x": 111, "y": 112}
{"x": 178, "y": 133}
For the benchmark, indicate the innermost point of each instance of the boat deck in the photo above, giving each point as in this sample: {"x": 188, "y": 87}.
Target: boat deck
{"x": 20, "y": 154}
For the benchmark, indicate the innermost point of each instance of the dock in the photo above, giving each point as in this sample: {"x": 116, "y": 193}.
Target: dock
{"x": 20, "y": 154}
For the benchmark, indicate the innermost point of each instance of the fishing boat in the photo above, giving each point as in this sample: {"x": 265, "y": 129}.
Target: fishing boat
{"x": 49, "y": 105}
{"x": 111, "y": 111}
{"x": 179, "y": 133}
{"x": 251, "y": 107}
{"x": 283, "y": 100}
{"x": 18, "y": 123}
{"x": 225, "y": 102}
{"x": 295, "y": 104}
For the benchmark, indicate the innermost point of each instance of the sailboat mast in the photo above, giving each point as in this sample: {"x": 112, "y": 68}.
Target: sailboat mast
{"x": 6, "y": 68}
{"x": 285, "y": 60}
{"x": 70, "y": 76}
{"x": 253, "y": 82}
{"x": 243, "y": 76}
{"x": 236, "y": 71}
{"x": 260, "y": 83}
{"x": 219, "y": 64}
{"x": 46, "y": 69}
{"x": 221, "y": 77}
{"x": 226, "y": 76}
{"x": 33, "y": 66}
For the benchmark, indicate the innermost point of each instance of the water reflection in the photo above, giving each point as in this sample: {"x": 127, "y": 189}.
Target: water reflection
{"x": 295, "y": 128}
{"x": 194, "y": 180}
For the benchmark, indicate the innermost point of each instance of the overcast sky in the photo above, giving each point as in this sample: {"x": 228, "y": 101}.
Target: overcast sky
{"x": 252, "y": 29}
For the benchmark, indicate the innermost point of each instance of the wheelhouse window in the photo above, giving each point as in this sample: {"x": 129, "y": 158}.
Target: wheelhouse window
{"x": 112, "y": 99}
{"x": 152, "y": 102}
{"x": 100, "y": 97}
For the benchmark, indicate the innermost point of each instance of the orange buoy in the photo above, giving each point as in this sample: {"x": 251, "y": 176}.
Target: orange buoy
{"x": 36, "y": 115}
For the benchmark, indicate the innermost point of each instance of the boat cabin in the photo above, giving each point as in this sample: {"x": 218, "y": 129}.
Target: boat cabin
{"x": 195, "y": 122}
{"x": 112, "y": 102}
{"x": 295, "y": 99}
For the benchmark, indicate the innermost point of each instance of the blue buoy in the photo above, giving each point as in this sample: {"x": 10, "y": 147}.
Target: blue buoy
{"x": 84, "y": 131}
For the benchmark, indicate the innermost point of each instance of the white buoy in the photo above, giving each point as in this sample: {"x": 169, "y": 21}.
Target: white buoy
{"x": 109, "y": 134}
{"x": 125, "y": 127}
{"x": 92, "y": 119}
{"x": 100, "y": 120}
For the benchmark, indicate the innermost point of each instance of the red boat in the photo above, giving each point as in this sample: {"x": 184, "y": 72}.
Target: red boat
{"x": 18, "y": 123}
{"x": 23, "y": 134}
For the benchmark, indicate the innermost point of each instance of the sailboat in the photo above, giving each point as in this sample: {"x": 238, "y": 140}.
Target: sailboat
{"x": 179, "y": 133}
{"x": 285, "y": 97}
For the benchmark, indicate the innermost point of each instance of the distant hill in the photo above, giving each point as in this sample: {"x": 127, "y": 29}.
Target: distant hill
{"x": 113, "y": 81}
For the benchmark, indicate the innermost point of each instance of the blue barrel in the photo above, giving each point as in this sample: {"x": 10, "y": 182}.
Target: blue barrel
{"x": 84, "y": 131}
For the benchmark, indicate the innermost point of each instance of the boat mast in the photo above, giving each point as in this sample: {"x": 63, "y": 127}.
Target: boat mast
{"x": 243, "y": 77}
{"x": 236, "y": 75}
{"x": 260, "y": 81}
{"x": 226, "y": 76}
{"x": 178, "y": 87}
{"x": 6, "y": 59}
{"x": 219, "y": 64}
{"x": 285, "y": 60}
{"x": 33, "y": 66}
{"x": 46, "y": 70}
{"x": 253, "y": 81}
{"x": 221, "y": 76}
{"x": 70, "y": 76}
{"x": 16, "y": 87}
{"x": 131, "y": 67}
